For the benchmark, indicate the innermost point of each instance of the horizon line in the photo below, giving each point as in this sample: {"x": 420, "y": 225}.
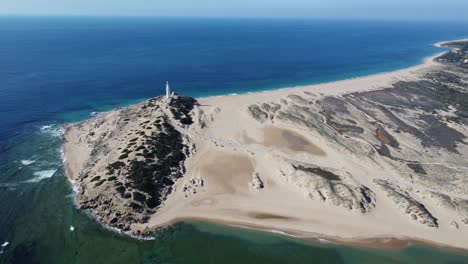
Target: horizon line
{"x": 65, "y": 15}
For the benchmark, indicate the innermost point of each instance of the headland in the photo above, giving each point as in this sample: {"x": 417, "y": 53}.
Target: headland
{"x": 377, "y": 157}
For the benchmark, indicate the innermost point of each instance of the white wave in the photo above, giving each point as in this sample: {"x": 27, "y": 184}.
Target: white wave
{"x": 53, "y": 130}
{"x": 325, "y": 241}
{"x": 128, "y": 233}
{"x": 62, "y": 154}
{"x": 27, "y": 162}
{"x": 3, "y": 246}
{"x": 41, "y": 175}
{"x": 274, "y": 231}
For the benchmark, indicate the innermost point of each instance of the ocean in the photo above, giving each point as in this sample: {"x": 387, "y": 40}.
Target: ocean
{"x": 55, "y": 70}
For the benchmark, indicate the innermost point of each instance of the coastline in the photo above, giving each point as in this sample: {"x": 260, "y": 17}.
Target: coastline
{"x": 426, "y": 62}
{"x": 359, "y": 84}
{"x": 442, "y": 43}
{"x": 377, "y": 242}
{"x": 381, "y": 242}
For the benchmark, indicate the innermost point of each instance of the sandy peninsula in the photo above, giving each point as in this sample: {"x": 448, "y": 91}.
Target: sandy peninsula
{"x": 382, "y": 156}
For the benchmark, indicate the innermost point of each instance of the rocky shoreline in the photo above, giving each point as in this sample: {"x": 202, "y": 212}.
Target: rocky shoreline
{"x": 131, "y": 179}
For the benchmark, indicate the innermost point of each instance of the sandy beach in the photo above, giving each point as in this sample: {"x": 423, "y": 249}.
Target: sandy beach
{"x": 311, "y": 161}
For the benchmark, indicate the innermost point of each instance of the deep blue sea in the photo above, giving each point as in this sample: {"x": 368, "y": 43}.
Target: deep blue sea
{"x": 55, "y": 70}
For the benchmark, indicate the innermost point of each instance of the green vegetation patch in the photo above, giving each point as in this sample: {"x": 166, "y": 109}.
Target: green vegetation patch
{"x": 99, "y": 183}
{"x": 95, "y": 178}
{"x": 123, "y": 156}
{"x": 156, "y": 174}
{"x": 181, "y": 108}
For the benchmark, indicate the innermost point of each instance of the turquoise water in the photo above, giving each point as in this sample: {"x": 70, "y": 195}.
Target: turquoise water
{"x": 58, "y": 70}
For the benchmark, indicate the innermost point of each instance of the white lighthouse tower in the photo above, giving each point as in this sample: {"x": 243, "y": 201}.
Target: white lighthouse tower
{"x": 168, "y": 90}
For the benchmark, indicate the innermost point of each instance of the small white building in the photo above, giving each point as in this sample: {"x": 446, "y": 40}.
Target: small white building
{"x": 465, "y": 61}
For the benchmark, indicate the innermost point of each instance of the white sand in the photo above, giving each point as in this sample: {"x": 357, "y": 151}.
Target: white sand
{"x": 229, "y": 200}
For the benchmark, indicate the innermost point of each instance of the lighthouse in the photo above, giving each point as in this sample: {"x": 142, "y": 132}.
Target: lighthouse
{"x": 168, "y": 90}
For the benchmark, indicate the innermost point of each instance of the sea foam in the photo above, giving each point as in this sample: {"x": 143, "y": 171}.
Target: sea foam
{"x": 41, "y": 175}
{"x": 53, "y": 130}
{"x": 27, "y": 162}
{"x": 4, "y": 245}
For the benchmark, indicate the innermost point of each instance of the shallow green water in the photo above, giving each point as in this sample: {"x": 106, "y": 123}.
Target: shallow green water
{"x": 36, "y": 221}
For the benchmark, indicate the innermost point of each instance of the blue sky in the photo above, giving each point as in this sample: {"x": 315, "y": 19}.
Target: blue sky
{"x": 362, "y": 9}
